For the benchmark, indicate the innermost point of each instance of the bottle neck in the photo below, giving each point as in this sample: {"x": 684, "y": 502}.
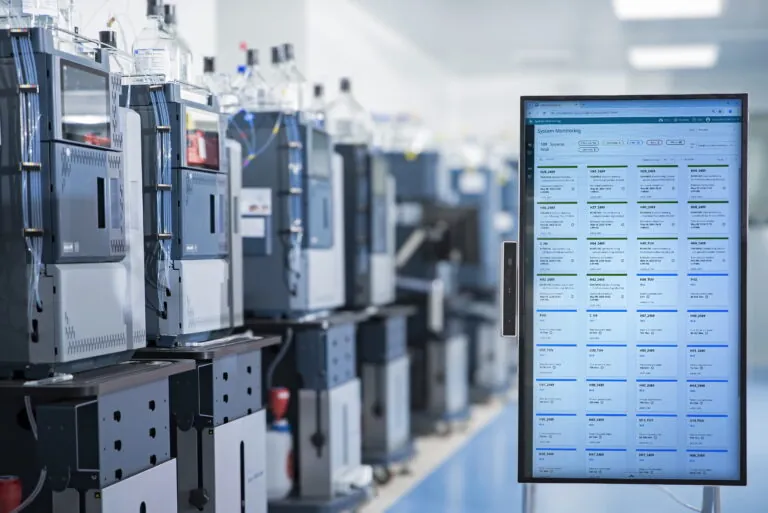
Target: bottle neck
{"x": 155, "y": 22}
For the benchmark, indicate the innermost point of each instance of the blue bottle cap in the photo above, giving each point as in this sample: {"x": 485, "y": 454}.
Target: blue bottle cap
{"x": 242, "y": 69}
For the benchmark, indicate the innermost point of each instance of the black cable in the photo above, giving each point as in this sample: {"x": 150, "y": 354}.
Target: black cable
{"x": 279, "y": 357}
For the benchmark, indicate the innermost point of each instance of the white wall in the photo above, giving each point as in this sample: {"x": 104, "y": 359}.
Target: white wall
{"x": 489, "y": 105}
{"x": 261, "y": 24}
{"x": 388, "y": 72}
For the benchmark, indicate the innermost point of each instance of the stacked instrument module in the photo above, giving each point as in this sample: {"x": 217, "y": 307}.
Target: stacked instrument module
{"x": 292, "y": 215}
{"x": 73, "y": 289}
{"x": 193, "y": 251}
{"x": 382, "y": 354}
{"x": 478, "y": 283}
{"x": 186, "y": 213}
{"x": 428, "y": 231}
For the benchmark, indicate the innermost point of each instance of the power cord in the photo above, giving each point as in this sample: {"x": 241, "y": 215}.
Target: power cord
{"x": 672, "y": 496}
{"x": 44, "y": 472}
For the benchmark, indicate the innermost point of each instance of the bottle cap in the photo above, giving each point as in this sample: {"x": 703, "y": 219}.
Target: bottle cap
{"x": 318, "y": 90}
{"x": 154, "y": 7}
{"x": 277, "y": 56}
{"x": 346, "y": 86}
{"x": 209, "y": 65}
{"x": 288, "y": 52}
{"x": 279, "y": 398}
{"x": 242, "y": 69}
{"x": 108, "y": 38}
{"x": 170, "y": 14}
{"x": 252, "y": 57}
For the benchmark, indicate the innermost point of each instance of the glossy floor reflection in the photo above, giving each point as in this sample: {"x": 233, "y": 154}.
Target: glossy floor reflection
{"x": 482, "y": 477}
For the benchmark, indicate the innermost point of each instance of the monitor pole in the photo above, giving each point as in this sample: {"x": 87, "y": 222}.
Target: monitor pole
{"x": 711, "y": 500}
{"x": 529, "y": 498}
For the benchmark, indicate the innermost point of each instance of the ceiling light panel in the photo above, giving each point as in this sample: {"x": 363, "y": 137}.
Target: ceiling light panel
{"x": 673, "y": 57}
{"x": 667, "y": 9}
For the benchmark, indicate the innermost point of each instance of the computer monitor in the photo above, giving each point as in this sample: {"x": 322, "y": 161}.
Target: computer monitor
{"x": 632, "y": 297}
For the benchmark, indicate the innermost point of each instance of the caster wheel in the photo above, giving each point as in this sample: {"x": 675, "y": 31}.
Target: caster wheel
{"x": 405, "y": 470}
{"x": 382, "y": 475}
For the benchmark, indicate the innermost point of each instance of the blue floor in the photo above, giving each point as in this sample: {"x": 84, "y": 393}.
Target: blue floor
{"x": 482, "y": 477}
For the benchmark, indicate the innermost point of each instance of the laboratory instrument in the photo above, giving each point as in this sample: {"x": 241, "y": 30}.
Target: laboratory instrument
{"x": 75, "y": 430}
{"x": 429, "y": 232}
{"x": 291, "y": 221}
{"x": 478, "y": 282}
{"x": 385, "y": 374}
{"x": 317, "y": 365}
{"x": 68, "y": 282}
{"x": 369, "y": 229}
{"x": 291, "y": 216}
{"x": 186, "y": 217}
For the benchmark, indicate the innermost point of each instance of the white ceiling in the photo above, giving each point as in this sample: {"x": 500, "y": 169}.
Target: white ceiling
{"x": 497, "y": 36}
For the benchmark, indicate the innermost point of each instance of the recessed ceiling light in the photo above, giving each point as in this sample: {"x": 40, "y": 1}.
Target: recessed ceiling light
{"x": 673, "y": 57}
{"x": 666, "y": 9}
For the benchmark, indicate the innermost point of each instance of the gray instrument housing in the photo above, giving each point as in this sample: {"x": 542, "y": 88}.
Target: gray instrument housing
{"x": 316, "y": 281}
{"x": 192, "y": 310}
{"x": 84, "y": 284}
{"x": 193, "y": 216}
{"x": 234, "y": 159}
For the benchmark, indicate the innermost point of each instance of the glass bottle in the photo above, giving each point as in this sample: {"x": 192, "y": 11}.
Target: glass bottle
{"x": 108, "y": 49}
{"x": 279, "y": 83}
{"x": 348, "y": 122}
{"x": 182, "y": 55}
{"x": 254, "y": 91}
{"x": 153, "y": 49}
{"x": 297, "y": 84}
{"x": 316, "y": 111}
{"x": 220, "y": 85}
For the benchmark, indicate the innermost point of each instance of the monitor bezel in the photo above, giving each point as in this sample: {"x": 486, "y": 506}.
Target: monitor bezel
{"x": 525, "y": 328}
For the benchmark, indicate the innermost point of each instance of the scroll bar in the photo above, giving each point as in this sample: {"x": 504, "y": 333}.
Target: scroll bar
{"x": 509, "y": 288}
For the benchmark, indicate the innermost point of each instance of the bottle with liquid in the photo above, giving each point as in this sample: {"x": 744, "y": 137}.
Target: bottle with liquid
{"x": 297, "y": 84}
{"x": 316, "y": 110}
{"x": 279, "y": 83}
{"x": 182, "y": 55}
{"x": 348, "y": 122}
{"x": 254, "y": 90}
{"x": 220, "y": 85}
{"x": 153, "y": 49}
{"x": 108, "y": 40}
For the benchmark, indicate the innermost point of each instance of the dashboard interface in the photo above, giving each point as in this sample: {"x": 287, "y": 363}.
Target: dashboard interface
{"x": 632, "y": 335}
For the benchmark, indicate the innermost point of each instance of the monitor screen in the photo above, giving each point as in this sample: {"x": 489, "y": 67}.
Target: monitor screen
{"x": 202, "y": 129}
{"x": 85, "y": 112}
{"x": 632, "y": 331}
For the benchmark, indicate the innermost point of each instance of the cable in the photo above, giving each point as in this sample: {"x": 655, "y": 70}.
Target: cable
{"x": 672, "y": 496}
{"x": 44, "y": 472}
{"x": 279, "y": 358}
